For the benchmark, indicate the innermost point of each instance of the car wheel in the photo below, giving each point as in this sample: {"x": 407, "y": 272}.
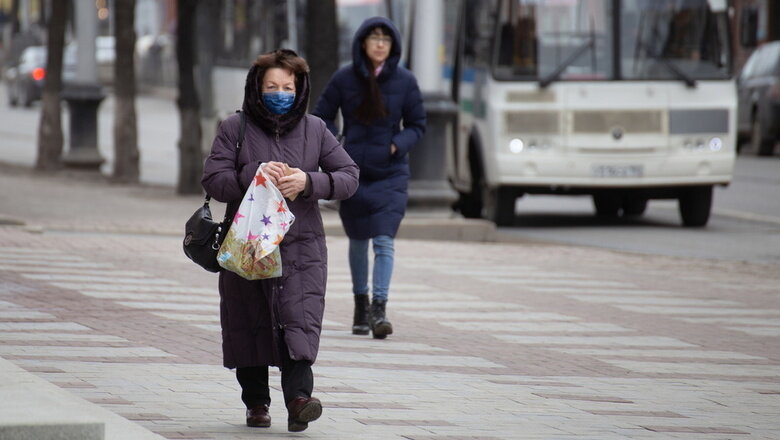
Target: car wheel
{"x": 695, "y": 204}
{"x": 762, "y": 145}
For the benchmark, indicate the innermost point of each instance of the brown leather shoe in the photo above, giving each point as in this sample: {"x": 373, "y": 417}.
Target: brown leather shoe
{"x": 258, "y": 417}
{"x": 301, "y": 411}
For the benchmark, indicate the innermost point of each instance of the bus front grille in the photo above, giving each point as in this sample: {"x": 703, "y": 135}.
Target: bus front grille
{"x": 627, "y": 121}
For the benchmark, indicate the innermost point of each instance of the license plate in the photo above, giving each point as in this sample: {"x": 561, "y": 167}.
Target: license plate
{"x": 617, "y": 171}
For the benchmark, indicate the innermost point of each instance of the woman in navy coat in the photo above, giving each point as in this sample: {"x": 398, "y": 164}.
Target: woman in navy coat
{"x": 383, "y": 118}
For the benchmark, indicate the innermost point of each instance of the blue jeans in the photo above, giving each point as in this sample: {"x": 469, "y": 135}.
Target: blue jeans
{"x": 383, "y": 266}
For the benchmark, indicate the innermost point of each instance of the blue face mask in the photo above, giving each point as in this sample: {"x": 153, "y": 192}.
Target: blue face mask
{"x": 278, "y": 103}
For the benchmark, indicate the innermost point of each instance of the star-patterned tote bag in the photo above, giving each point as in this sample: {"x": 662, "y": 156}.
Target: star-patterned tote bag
{"x": 251, "y": 247}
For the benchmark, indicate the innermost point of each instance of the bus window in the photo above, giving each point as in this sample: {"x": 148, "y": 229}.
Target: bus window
{"x": 479, "y": 27}
{"x": 661, "y": 37}
{"x": 535, "y": 39}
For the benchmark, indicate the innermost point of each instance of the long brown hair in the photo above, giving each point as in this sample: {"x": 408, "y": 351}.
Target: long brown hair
{"x": 372, "y": 108}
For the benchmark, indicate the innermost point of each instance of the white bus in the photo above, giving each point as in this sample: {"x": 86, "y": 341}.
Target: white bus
{"x": 621, "y": 100}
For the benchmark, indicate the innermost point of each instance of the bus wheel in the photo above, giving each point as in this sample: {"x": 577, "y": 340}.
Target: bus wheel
{"x": 499, "y": 205}
{"x": 469, "y": 204}
{"x": 695, "y": 204}
{"x": 606, "y": 205}
{"x": 634, "y": 206}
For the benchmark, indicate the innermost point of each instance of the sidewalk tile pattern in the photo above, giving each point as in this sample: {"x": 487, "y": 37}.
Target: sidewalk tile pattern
{"x": 529, "y": 342}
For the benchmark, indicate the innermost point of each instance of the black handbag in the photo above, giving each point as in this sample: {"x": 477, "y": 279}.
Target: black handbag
{"x": 202, "y": 235}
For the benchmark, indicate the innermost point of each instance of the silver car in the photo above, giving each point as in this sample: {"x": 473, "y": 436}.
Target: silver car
{"x": 758, "y": 86}
{"x": 25, "y": 80}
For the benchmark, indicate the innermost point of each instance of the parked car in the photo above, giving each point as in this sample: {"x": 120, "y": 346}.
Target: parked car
{"x": 24, "y": 80}
{"x": 758, "y": 86}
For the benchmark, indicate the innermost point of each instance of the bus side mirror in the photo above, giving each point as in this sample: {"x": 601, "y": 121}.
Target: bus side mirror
{"x": 748, "y": 27}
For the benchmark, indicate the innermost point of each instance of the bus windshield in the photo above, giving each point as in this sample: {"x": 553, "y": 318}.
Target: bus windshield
{"x": 570, "y": 40}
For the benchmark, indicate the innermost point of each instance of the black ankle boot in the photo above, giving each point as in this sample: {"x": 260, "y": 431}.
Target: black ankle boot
{"x": 360, "y": 319}
{"x": 380, "y": 326}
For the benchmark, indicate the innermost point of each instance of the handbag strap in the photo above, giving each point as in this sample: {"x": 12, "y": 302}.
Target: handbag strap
{"x": 239, "y": 142}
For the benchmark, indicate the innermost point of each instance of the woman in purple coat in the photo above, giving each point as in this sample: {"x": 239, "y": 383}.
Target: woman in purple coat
{"x": 383, "y": 115}
{"x": 277, "y": 321}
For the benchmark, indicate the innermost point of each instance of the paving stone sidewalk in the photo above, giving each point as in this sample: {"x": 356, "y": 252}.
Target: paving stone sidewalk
{"x": 493, "y": 341}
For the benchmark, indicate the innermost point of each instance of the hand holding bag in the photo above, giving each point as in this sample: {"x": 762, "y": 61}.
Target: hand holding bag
{"x": 202, "y": 235}
{"x": 251, "y": 248}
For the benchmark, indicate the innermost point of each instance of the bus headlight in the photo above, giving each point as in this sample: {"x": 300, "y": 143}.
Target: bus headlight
{"x": 516, "y": 145}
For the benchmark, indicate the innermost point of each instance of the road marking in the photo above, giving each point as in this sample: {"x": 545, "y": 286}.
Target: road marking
{"x": 98, "y": 352}
{"x": 58, "y": 337}
{"x": 369, "y": 344}
{"x": 661, "y": 310}
{"x": 98, "y": 279}
{"x": 35, "y": 326}
{"x": 184, "y": 307}
{"x": 609, "y": 341}
{"x": 24, "y": 314}
{"x": 12, "y": 257}
{"x": 728, "y": 320}
{"x": 683, "y": 354}
{"x": 697, "y": 368}
{"x": 746, "y": 215}
{"x": 138, "y": 288}
{"x": 600, "y": 291}
{"x": 652, "y": 300}
{"x": 469, "y": 305}
{"x": 350, "y": 358}
{"x": 136, "y": 296}
{"x": 187, "y": 316}
{"x": 490, "y": 316}
{"x": 758, "y": 331}
{"x": 428, "y": 296}
{"x": 72, "y": 271}
{"x": 76, "y": 264}
{"x": 551, "y": 327}
{"x": 554, "y": 282}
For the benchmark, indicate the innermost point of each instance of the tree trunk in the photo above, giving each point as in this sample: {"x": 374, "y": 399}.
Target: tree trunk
{"x": 322, "y": 44}
{"x": 50, "y": 127}
{"x": 126, "y": 154}
{"x": 190, "y": 156}
{"x": 15, "y": 25}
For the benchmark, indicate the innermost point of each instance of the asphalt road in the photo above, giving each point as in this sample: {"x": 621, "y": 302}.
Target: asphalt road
{"x": 744, "y": 226}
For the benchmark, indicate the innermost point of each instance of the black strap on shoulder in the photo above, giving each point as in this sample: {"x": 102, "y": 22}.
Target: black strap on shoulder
{"x": 240, "y": 141}
{"x": 241, "y": 130}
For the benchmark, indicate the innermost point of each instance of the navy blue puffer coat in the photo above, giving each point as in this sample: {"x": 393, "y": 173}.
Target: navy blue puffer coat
{"x": 380, "y": 201}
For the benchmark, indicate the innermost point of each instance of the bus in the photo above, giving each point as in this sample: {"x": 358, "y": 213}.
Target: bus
{"x": 620, "y": 100}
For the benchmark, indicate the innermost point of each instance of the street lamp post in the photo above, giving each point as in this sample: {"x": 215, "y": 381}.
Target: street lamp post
{"x": 84, "y": 94}
{"x": 428, "y": 186}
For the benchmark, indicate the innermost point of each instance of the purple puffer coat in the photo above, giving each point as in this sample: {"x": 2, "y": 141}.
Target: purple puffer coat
{"x": 254, "y": 314}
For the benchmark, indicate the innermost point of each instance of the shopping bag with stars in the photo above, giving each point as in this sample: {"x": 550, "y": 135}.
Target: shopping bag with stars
{"x": 251, "y": 247}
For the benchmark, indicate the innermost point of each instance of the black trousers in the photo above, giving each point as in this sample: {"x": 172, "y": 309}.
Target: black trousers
{"x": 297, "y": 381}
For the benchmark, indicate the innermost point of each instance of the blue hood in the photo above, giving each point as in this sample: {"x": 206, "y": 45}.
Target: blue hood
{"x": 359, "y": 61}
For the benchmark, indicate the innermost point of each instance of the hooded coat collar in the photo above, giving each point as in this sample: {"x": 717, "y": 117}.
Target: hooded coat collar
{"x": 360, "y": 61}
{"x": 274, "y": 124}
